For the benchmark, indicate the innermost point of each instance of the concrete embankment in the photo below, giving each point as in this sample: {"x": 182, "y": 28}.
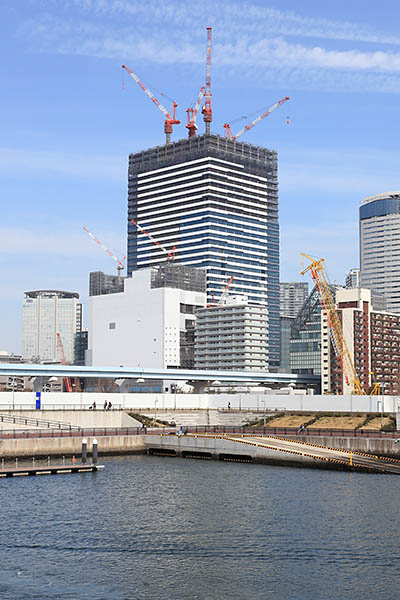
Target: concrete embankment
{"x": 68, "y": 446}
{"x": 374, "y": 446}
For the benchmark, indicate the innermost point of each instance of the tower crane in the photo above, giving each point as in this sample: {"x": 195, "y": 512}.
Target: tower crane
{"x": 120, "y": 263}
{"x": 316, "y": 268}
{"x": 67, "y": 380}
{"x": 170, "y": 119}
{"x": 207, "y": 110}
{"x": 227, "y": 127}
{"x": 192, "y": 114}
{"x": 171, "y": 254}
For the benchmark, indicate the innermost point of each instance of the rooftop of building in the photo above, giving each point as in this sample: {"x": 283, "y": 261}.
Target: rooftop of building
{"x": 380, "y": 197}
{"x": 199, "y": 147}
{"x": 51, "y": 294}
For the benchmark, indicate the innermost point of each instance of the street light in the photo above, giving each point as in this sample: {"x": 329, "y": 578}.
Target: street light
{"x": 155, "y": 413}
{"x": 263, "y": 400}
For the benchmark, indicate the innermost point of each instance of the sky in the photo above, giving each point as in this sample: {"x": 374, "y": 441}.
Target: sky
{"x": 70, "y": 116}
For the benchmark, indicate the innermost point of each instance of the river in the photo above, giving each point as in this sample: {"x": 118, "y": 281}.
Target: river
{"x": 171, "y": 528}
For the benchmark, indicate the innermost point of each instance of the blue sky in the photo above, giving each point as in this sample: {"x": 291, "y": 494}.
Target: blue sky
{"x": 67, "y": 126}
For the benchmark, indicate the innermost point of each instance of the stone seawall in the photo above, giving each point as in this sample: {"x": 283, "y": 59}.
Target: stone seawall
{"x": 68, "y": 446}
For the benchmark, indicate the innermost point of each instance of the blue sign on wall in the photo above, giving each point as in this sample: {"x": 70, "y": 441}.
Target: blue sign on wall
{"x": 38, "y": 394}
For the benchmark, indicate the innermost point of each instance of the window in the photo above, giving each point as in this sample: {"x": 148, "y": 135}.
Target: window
{"x": 111, "y": 326}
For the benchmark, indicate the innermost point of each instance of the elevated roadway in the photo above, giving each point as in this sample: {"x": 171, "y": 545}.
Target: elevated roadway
{"x": 244, "y": 377}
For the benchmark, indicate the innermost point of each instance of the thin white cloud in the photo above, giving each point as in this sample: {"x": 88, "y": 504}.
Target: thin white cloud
{"x": 81, "y": 166}
{"x": 248, "y": 40}
{"x": 236, "y": 17}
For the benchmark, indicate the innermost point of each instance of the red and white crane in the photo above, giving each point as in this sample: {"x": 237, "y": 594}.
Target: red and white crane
{"x": 192, "y": 114}
{"x": 120, "y": 263}
{"x": 207, "y": 110}
{"x": 223, "y": 295}
{"x": 227, "y": 127}
{"x": 67, "y": 380}
{"x": 170, "y": 119}
{"x": 171, "y": 254}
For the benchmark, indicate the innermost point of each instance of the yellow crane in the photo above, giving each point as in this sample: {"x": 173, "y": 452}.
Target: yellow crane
{"x": 316, "y": 269}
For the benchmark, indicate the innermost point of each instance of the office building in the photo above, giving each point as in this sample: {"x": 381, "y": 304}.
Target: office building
{"x": 232, "y": 336}
{"x": 286, "y": 327}
{"x": 212, "y": 203}
{"x": 150, "y": 323}
{"x": 305, "y": 337}
{"x": 352, "y": 279}
{"x": 293, "y": 294}
{"x": 44, "y": 314}
{"x": 373, "y": 340}
{"x": 100, "y": 283}
{"x": 380, "y": 246}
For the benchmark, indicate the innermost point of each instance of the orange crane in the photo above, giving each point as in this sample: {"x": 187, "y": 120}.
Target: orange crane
{"x": 67, "y": 380}
{"x": 170, "y": 119}
{"x": 207, "y": 110}
{"x": 327, "y": 301}
{"x": 227, "y": 127}
{"x": 120, "y": 263}
{"x": 192, "y": 114}
{"x": 171, "y": 254}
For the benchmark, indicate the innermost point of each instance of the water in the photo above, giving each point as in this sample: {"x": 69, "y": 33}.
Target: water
{"x": 170, "y": 528}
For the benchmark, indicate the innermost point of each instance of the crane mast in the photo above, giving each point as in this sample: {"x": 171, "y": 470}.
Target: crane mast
{"x": 67, "y": 380}
{"x": 316, "y": 269}
{"x": 227, "y": 127}
{"x": 192, "y": 114}
{"x": 170, "y": 119}
{"x": 207, "y": 110}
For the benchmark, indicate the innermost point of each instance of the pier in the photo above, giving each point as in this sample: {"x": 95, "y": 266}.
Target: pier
{"x": 49, "y": 470}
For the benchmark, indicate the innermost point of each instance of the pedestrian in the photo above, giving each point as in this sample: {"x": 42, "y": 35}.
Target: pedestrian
{"x": 301, "y": 428}
{"x": 180, "y": 431}
{"x": 109, "y": 406}
{"x": 105, "y": 405}
{"x": 229, "y": 406}
{"x": 94, "y": 405}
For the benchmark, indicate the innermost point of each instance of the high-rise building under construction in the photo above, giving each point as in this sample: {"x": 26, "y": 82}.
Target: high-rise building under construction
{"x": 215, "y": 201}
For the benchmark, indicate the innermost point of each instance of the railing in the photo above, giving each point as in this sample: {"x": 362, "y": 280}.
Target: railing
{"x": 218, "y": 429}
{"x": 31, "y": 406}
{"x": 17, "y": 420}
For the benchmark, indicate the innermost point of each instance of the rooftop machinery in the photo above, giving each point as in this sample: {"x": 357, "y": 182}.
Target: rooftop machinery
{"x": 192, "y": 114}
{"x": 169, "y": 119}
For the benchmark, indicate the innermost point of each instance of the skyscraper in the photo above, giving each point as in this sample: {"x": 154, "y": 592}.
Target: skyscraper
{"x": 216, "y": 201}
{"x": 380, "y": 246}
{"x": 44, "y": 314}
{"x": 293, "y": 294}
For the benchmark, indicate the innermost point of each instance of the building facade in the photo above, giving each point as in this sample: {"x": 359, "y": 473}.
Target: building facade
{"x": 380, "y": 246}
{"x": 231, "y": 336}
{"x": 352, "y": 279}
{"x": 100, "y": 283}
{"x": 293, "y": 294}
{"x": 373, "y": 340}
{"x": 305, "y": 337}
{"x": 213, "y": 203}
{"x": 149, "y": 324}
{"x": 44, "y": 314}
{"x": 286, "y": 328}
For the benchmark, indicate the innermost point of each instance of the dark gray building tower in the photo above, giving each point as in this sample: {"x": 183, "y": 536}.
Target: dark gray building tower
{"x": 216, "y": 201}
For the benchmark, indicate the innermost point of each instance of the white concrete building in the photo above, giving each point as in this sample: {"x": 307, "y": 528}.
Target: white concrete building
{"x": 145, "y": 325}
{"x": 232, "y": 336}
{"x": 44, "y": 314}
{"x": 352, "y": 279}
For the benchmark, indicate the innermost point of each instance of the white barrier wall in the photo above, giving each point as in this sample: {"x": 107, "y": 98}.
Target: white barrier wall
{"x": 260, "y": 402}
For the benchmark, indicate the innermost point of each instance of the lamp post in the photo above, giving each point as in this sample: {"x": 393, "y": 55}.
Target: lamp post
{"x": 155, "y": 413}
{"x": 263, "y": 400}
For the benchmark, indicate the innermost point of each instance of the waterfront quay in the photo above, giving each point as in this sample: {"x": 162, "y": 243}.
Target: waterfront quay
{"x": 244, "y": 444}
